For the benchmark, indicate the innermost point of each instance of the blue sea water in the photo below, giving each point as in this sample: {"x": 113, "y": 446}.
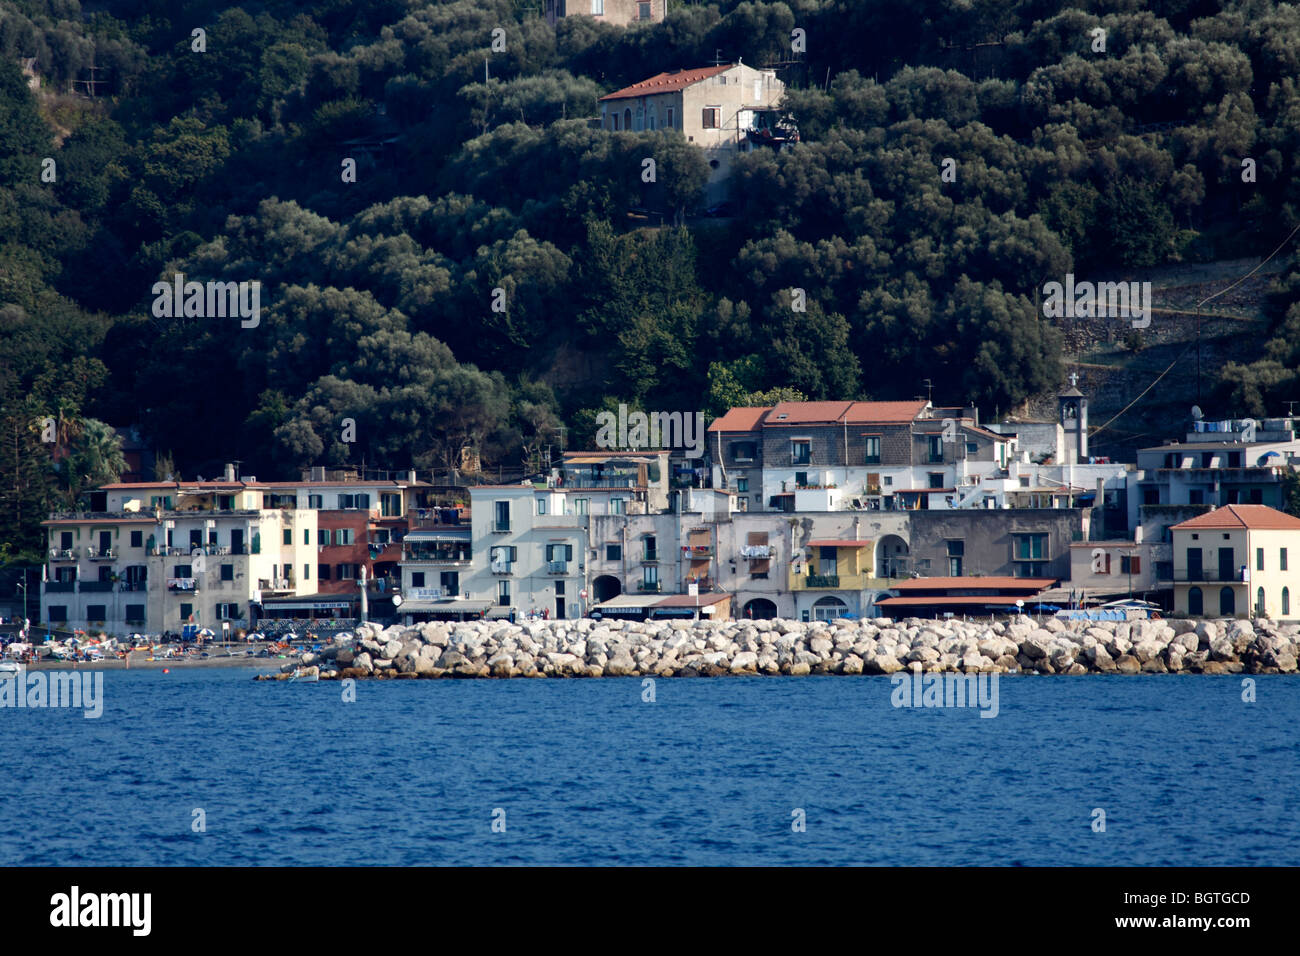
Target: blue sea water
{"x": 587, "y": 772}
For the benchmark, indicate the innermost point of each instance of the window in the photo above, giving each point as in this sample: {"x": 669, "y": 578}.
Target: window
{"x": 503, "y": 593}
{"x": 417, "y": 579}
{"x": 227, "y": 612}
{"x": 1195, "y": 601}
{"x": 323, "y": 537}
{"x": 1130, "y": 564}
{"x": 936, "y": 447}
{"x": 1030, "y": 552}
{"x": 643, "y": 11}
{"x": 347, "y": 501}
{"x": 390, "y": 505}
{"x": 1286, "y": 601}
{"x": 541, "y": 506}
{"x": 322, "y": 572}
{"x": 936, "y": 479}
{"x": 801, "y": 452}
{"x": 872, "y": 455}
{"x": 135, "y": 614}
{"x": 671, "y": 125}
{"x": 972, "y": 448}
{"x": 227, "y": 572}
{"x": 580, "y": 505}
{"x": 1259, "y": 559}
{"x": 288, "y": 536}
{"x": 742, "y": 485}
{"x": 137, "y": 539}
{"x": 650, "y": 554}
{"x": 182, "y": 571}
{"x": 613, "y": 552}
{"x": 186, "y": 611}
{"x": 306, "y": 572}
{"x": 801, "y": 479}
{"x": 956, "y": 551}
{"x": 564, "y": 552}
{"x": 343, "y": 536}
{"x": 743, "y": 450}
{"x": 650, "y": 576}
{"x": 288, "y": 571}
{"x": 316, "y": 502}
{"x": 1282, "y": 560}
{"x": 348, "y": 572}
{"x": 502, "y": 516}
{"x": 449, "y": 581}
{"x": 96, "y": 612}
{"x": 59, "y": 613}
{"x": 502, "y": 559}
{"x": 306, "y": 536}
{"x": 597, "y": 8}
{"x": 616, "y": 506}
{"x": 712, "y": 118}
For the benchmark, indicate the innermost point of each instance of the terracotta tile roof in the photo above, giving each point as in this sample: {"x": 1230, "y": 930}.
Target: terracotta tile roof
{"x": 898, "y": 413}
{"x": 973, "y": 583}
{"x": 968, "y": 601}
{"x": 668, "y": 82}
{"x": 1252, "y": 517}
{"x": 807, "y": 413}
{"x": 742, "y": 419}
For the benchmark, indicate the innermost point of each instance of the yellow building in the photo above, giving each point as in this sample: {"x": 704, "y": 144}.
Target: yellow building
{"x": 1238, "y": 561}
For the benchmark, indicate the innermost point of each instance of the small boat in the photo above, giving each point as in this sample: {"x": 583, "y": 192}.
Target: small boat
{"x": 307, "y": 675}
{"x": 10, "y": 667}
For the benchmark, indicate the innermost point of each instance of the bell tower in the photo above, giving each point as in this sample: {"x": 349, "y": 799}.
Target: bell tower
{"x": 1073, "y": 408}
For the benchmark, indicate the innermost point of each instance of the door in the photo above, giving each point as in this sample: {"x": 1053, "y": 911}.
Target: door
{"x": 826, "y": 563}
{"x": 105, "y": 541}
{"x": 1194, "y": 570}
{"x": 236, "y": 542}
{"x": 1227, "y": 603}
{"x": 1227, "y": 565}
{"x": 559, "y": 608}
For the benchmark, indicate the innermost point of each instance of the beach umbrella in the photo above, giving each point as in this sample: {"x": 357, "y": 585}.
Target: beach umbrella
{"x": 208, "y": 632}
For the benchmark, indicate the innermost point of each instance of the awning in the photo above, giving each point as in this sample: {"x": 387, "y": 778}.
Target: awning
{"x": 330, "y": 604}
{"x": 445, "y": 607}
{"x": 972, "y": 601}
{"x": 838, "y": 543}
{"x": 454, "y": 533}
{"x": 628, "y": 604}
{"x": 674, "y": 612}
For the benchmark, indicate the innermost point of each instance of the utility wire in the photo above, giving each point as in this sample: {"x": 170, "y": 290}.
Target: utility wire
{"x": 1185, "y": 350}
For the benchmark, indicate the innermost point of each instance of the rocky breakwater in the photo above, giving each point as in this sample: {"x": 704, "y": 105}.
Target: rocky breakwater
{"x": 587, "y": 648}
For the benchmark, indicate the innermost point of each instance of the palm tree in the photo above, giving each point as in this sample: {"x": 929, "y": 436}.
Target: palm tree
{"x": 94, "y": 458}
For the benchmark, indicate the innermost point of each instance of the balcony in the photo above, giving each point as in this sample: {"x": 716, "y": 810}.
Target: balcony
{"x": 499, "y": 528}
{"x": 829, "y": 582}
{"x": 698, "y": 552}
{"x": 88, "y": 586}
{"x": 557, "y": 567}
{"x": 650, "y": 557}
{"x": 60, "y": 587}
{"x": 133, "y": 586}
{"x": 1209, "y": 576}
{"x": 182, "y": 584}
{"x": 579, "y": 483}
{"x": 704, "y": 581}
{"x": 108, "y": 554}
{"x": 649, "y": 587}
{"x": 65, "y": 554}
{"x": 504, "y": 570}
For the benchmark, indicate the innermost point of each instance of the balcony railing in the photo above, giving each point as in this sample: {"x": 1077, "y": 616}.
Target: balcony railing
{"x": 557, "y": 567}
{"x": 698, "y": 551}
{"x": 823, "y": 581}
{"x": 88, "y": 586}
{"x": 59, "y": 587}
{"x": 649, "y": 557}
{"x": 1209, "y": 576}
{"x": 65, "y": 554}
{"x": 133, "y": 586}
{"x": 108, "y": 554}
{"x": 499, "y": 528}
{"x": 705, "y": 582}
{"x": 182, "y": 584}
{"x": 651, "y": 587}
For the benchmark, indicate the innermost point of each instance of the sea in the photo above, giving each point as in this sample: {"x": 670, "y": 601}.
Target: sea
{"x": 208, "y": 767}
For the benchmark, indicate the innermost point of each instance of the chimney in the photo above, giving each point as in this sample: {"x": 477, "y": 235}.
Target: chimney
{"x": 230, "y": 471}
{"x": 410, "y": 476}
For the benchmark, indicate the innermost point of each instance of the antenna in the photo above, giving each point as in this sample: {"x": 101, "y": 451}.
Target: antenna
{"x": 1290, "y": 408}
{"x": 929, "y": 390}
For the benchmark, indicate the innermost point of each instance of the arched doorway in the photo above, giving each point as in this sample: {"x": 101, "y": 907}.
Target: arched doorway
{"x": 829, "y": 608}
{"x": 606, "y": 587}
{"x": 1259, "y": 602}
{"x": 627, "y": 119}
{"x": 759, "y": 609}
{"x": 892, "y": 557}
{"x": 1195, "y": 601}
{"x": 1227, "y": 603}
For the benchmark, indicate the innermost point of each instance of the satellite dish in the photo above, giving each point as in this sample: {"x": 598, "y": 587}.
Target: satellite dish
{"x": 1197, "y": 413}
{"x": 397, "y": 600}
